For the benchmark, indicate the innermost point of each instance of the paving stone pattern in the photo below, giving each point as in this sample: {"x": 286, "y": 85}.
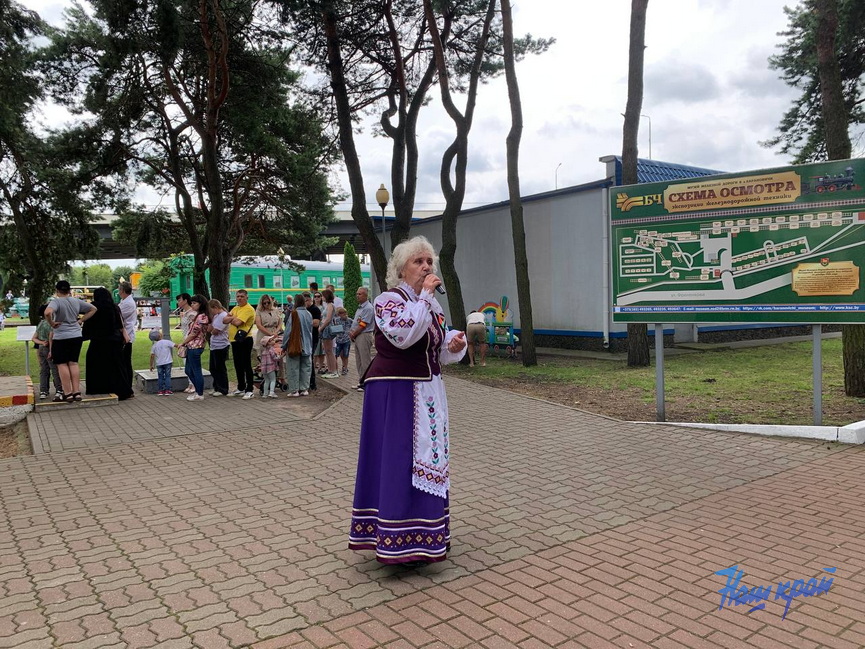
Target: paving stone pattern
{"x": 570, "y": 530}
{"x": 149, "y": 416}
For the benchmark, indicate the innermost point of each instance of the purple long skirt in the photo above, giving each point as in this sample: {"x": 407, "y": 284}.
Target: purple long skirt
{"x": 399, "y": 522}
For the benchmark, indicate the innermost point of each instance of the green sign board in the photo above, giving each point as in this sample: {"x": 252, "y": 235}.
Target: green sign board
{"x": 775, "y": 245}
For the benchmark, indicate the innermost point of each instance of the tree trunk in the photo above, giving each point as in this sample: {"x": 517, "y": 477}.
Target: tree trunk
{"x": 838, "y": 147}
{"x": 638, "y": 338}
{"x": 349, "y": 152}
{"x": 521, "y": 260}
{"x": 835, "y": 114}
{"x": 219, "y": 255}
{"x": 852, "y": 344}
{"x": 40, "y": 289}
{"x": 405, "y": 161}
{"x": 456, "y": 155}
{"x": 29, "y": 232}
{"x": 220, "y": 270}
{"x": 447, "y": 254}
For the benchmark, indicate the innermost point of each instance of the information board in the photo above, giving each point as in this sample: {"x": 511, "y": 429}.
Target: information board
{"x": 775, "y": 245}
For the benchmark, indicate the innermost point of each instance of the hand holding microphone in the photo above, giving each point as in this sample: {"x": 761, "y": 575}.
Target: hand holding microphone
{"x": 433, "y": 283}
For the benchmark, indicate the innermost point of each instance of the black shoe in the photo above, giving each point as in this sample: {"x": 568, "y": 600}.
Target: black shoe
{"x": 415, "y": 564}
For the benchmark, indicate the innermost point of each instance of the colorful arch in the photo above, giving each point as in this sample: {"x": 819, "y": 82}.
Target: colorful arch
{"x": 495, "y": 311}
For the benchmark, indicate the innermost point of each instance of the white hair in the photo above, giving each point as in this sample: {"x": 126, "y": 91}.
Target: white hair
{"x": 405, "y": 252}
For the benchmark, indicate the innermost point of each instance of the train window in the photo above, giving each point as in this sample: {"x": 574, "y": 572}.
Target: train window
{"x": 295, "y": 281}
{"x": 247, "y": 281}
{"x": 339, "y": 283}
{"x": 261, "y": 282}
{"x": 277, "y": 281}
{"x": 310, "y": 279}
{"x": 325, "y": 281}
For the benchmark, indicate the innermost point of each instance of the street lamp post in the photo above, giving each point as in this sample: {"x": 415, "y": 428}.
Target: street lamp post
{"x": 557, "y": 174}
{"x": 650, "y": 132}
{"x": 382, "y": 197}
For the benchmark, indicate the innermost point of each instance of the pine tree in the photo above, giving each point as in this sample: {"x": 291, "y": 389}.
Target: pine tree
{"x": 351, "y": 278}
{"x": 43, "y": 209}
{"x": 802, "y": 130}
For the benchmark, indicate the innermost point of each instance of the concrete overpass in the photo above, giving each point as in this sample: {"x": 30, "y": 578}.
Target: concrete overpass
{"x": 343, "y": 228}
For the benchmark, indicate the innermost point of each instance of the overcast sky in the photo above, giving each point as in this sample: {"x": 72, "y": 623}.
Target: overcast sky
{"x": 709, "y": 95}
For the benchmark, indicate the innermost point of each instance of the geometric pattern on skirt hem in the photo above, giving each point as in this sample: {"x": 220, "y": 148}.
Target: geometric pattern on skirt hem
{"x": 400, "y": 541}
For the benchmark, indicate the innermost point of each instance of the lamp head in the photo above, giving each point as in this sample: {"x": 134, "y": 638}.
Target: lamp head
{"x": 382, "y": 197}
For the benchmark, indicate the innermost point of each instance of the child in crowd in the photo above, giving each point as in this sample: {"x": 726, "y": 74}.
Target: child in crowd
{"x": 271, "y": 348}
{"x": 162, "y": 355}
{"x": 342, "y": 343}
{"x": 42, "y": 339}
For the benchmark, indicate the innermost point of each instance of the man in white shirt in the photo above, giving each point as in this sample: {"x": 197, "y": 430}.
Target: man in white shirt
{"x": 476, "y": 334}
{"x": 129, "y": 313}
{"x": 361, "y": 334}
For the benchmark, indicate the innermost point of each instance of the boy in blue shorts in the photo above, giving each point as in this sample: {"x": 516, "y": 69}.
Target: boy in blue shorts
{"x": 162, "y": 356}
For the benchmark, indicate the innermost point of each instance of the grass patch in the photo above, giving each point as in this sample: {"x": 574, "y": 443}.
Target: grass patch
{"x": 12, "y": 354}
{"x": 771, "y": 384}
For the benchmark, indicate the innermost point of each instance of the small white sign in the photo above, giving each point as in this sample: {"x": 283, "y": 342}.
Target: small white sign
{"x": 24, "y": 333}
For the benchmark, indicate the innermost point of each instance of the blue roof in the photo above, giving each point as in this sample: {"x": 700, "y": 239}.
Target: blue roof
{"x": 653, "y": 171}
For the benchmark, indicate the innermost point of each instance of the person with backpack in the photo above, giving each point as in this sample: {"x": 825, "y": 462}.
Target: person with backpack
{"x": 297, "y": 348}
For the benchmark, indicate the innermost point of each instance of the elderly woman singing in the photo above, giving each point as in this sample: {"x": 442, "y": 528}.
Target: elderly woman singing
{"x": 401, "y": 507}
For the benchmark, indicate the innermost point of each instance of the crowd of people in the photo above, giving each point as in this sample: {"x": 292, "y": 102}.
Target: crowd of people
{"x": 273, "y": 348}
{"x": 401, "y": 500}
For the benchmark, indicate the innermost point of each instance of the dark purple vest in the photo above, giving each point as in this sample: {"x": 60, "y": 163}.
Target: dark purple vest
{"x": 419, "y": 362}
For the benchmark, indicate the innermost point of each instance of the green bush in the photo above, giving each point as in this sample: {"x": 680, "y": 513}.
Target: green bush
{"x": 352, "y": 279}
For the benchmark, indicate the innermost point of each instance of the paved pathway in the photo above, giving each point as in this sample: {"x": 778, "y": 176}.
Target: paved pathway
{"x": 570, "y": 530}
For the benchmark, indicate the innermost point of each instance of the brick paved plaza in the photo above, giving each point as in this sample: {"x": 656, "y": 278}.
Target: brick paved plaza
{"x": 569, "y": 530}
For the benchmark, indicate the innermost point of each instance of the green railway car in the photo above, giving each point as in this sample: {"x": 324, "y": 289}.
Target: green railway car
{"x": 260, "y": 275}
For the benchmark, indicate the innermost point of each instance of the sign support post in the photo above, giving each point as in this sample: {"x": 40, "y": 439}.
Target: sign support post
{"x": 817, "y": 371}
{"x": 659, "y": 373}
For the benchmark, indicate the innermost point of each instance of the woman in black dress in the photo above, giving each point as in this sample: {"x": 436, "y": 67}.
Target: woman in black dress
{"x": 107, "y": 336}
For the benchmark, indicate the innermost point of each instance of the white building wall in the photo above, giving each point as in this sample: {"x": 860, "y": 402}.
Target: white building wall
{"x": 565, "y": 244}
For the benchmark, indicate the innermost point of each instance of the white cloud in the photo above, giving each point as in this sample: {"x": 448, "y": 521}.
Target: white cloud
{"x": 675, "y": 80}
{"x": 709, "y": 94}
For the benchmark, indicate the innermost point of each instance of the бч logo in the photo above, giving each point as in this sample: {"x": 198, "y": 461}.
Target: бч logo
{"x": 824, "y": 261}
{"x": 625, "y": 203}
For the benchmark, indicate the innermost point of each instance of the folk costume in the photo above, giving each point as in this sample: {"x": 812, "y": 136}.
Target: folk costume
{"x": 401, "y": 507}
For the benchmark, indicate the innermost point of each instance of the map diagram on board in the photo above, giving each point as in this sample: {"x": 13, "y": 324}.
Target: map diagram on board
{"x": 771, "y": 245}
{"x": 726, "y": 260}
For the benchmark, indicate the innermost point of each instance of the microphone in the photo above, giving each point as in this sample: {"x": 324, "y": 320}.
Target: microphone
{"x": 440, "y": 289}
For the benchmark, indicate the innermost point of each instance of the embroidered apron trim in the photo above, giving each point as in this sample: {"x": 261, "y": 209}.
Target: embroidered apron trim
{"x": 431, "y": 445}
